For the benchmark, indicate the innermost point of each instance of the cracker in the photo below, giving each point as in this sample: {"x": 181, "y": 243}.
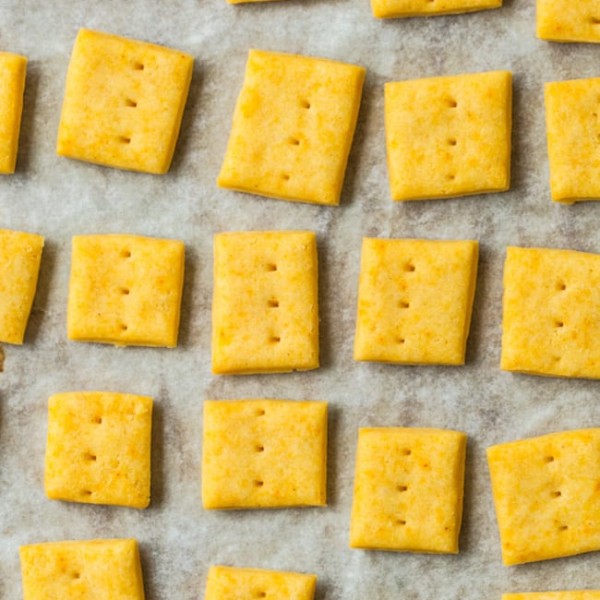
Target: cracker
{"x": 568, "y": 21}
{"x": 98, "y": 448}
{"x": 551, "y": 324}
{"x": 20, "y": 257}
{"x": 265, "y": 304}
{"x": 449, "y": 136}
{"x": 82, "y": 569}
{"x": 125, "y": 290}
{"x": 123, "y": 103}
{"x": 233, "y": 583}
{"x": 573, "y": 131}
{"x": 277, "y": 457}
{"x": 546, "y": 495}
{"x": 408, "y": 490}
{"x": 293, "y": 127}
{"x": 414, "y": 301}
{"x": 420, "y": 8}
{"x": 13, "y": 69}
{"x": 564, "y": 595}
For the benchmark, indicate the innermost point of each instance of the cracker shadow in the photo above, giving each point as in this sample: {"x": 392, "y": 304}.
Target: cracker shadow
{"x": 27, "y": 133}
{"x": 41, "y": 301}
{"x": 476, "y": 333}
{"x": 520, "y": 129}
{"x": 188, "y": 294}
{"x": 148, "y": 567}
{"x": 468, "y": 531}
{"x": 324, "y": 282}
{"x": 333, "y": 442}
{"x": 157, "y": 463}
{"x": 322, "y": 590}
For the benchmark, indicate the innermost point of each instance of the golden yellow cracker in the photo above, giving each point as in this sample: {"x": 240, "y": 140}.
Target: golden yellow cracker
{"x": 124, "y": 101}
{"x": 264, "y": 454}
{"x": 265, "y": 304}
{"x": 420, "y": 8}
{"x": 125, "y": 290}
{"x": 546, "y": 495}
{"x": 98, "y": 448}
{"x": 12, "y": 83}
{"x": 408, "y": 490}
{"x": 449, "y": 136}
{"x": 414, "y": 301}
{"x": 573, "y": 131}
{"x": 563, "y": 595}
{"x": 293, "y": 127}
{"x": 568, "y": 21}
{"x": 233, "y": 583}
{"x": 82, "y": 569}
{"x": 20, "y": 256}
{"x": 551, "y": 324}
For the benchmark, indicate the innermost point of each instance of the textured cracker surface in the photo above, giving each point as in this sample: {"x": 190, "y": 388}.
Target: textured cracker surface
{"x": 546, "y": 495}
{"x": 408, "y": 489}
{"x": 293, "y": 127}
{"x": 265, "y": 302}
{"x": 567, "y": 21}
{"x": 125, "y": 290}
{"x": 449, "y": 136}
{"x": 264, "y": 453}
{"x": 414, "y": 301}
{"x": 12, "y": 83}
{"x": 93, "y": 570}
{"x": 123, "y": 103}
{"x": 417, "y": 8}
{"x": 98, "y": 448}
{"x": 551, "y": 324}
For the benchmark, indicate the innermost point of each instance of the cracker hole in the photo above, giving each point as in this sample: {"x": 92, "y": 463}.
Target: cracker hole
{"x": 271, "y": 267}
{"x": 561, "y": 286}
{"x": 451, "y": 103}
{"x": 97, "y": 420}
{"x": 406, "y": 452}
{"x": 86, "y": 493}
{"x": 89, "y": 456}
{"x": 450, "y": 177}
{"x": 260, "y": 412}
{"x": 563, "y": 528}
{"x": 559, "y": 324}
{"x": 275, "y": 339}
{"x": 285, "y": 176}
{"x": 259, "y": 448}
{"x": 260, "y": 594}
{"x": 273, "y": 303}
{"x": 402, "y": 488}
{"x": 130, "y": 103}
{"x": 258, "y": 483}
{"x": 126, "y": 253}
{"x": 124, "y": 291}
{"x": 305, "y": 104}
{"x": 124, "y": 327}
{"x": 293, "y": 141}
{"x": 400, "y": 522}
{"x": 595, "y": 20}
{"x": 400, "y": 340}
{"x": 403, "y": 304}
{"x": 138, "y": 66}
{"x": 409, "y": 267}
{"x": 124, "y": 139}
{"x": 548, "y": 459}
{"x": 452, "y": 142}
{"x": 556, "y": 494}
{"x": 76, "y": 574}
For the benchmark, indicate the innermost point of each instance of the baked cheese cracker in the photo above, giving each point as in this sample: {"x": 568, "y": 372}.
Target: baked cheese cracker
{"x": 414, "y": 301}
{"x": 123, "y": 103}
{"x": 566, "y": 595}
{"x": 386, "y": 9}
{"x": 408, "y": 490}
{"x": 82, "y": 569}
{"x": 264, "y": 453}
{"x": 20, "y": 257}
{"x": 293, "y": 127}
{"x": 551, "y": 324}
{"x": 568, "y": 21}
{"x": 98, "y": 448}
{"x": 125, "y": 290}
{"x": 234, "y": 583}
{"x": 12, "y": 83}
{"x": 265, "y": 304}
{"x": 449, "y": 136}
{"x": 546, "y": 495}
{"x": 573, "y": 131}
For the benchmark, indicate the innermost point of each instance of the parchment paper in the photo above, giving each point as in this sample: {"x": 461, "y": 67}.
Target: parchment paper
{"x": 58, "y": 198}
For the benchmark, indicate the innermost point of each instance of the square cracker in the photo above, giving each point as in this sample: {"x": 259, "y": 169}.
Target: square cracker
{"x": 408, "y": 490}
{"x": 546, "y": 495}
{"x": 573, "y": 132}
{"x": 98, "y": 448}
{"x": 414, "y": 301}
{"x": 420, "y": 8}
{"x": 12, "y": 83}
{"x": 563, "y": 595}
{"x": 293, "y": 127}
{"x": 125, "y": 290}
{"x": 551, "y": 324}
{"x": 265, "y": 304}
{"x": 449, "y": 136}
{"x": 568, "y": 21}
{"x": 233, "y": 583}
{"x": 123, "y": 103}
{"x": 82, "y": 569}
{"x": 20, "y": 256}
{"x": 264, "y": 454}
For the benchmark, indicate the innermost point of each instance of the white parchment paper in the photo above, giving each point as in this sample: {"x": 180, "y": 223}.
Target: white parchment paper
{"x": 58, "y": 198}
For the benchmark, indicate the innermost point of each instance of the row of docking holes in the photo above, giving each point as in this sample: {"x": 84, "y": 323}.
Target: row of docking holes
{"x": 549, "y": 459}
{"x": 273, "y": 302}
{"x": 130, "y": 103}
{"x": 450, "y": 141}
{"x": 259, "y": 448}
{"x": 408, "y": 267}
{"x": 293, "y": 140}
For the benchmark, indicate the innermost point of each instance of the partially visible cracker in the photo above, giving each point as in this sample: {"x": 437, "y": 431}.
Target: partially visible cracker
{"x": 387, "y": 9}
{"x": 551, "y": 324}
{"x": 20, "y": 257}
{"x": 12, "y": 83}
{"x": 568, "y": 21}
{"x": 449, "y": 136}
{"x": 124, "y": 101}
{"x": 293, "y": 127}
{"x": 546, "y": 495}
{"x": 234, "y": 583}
